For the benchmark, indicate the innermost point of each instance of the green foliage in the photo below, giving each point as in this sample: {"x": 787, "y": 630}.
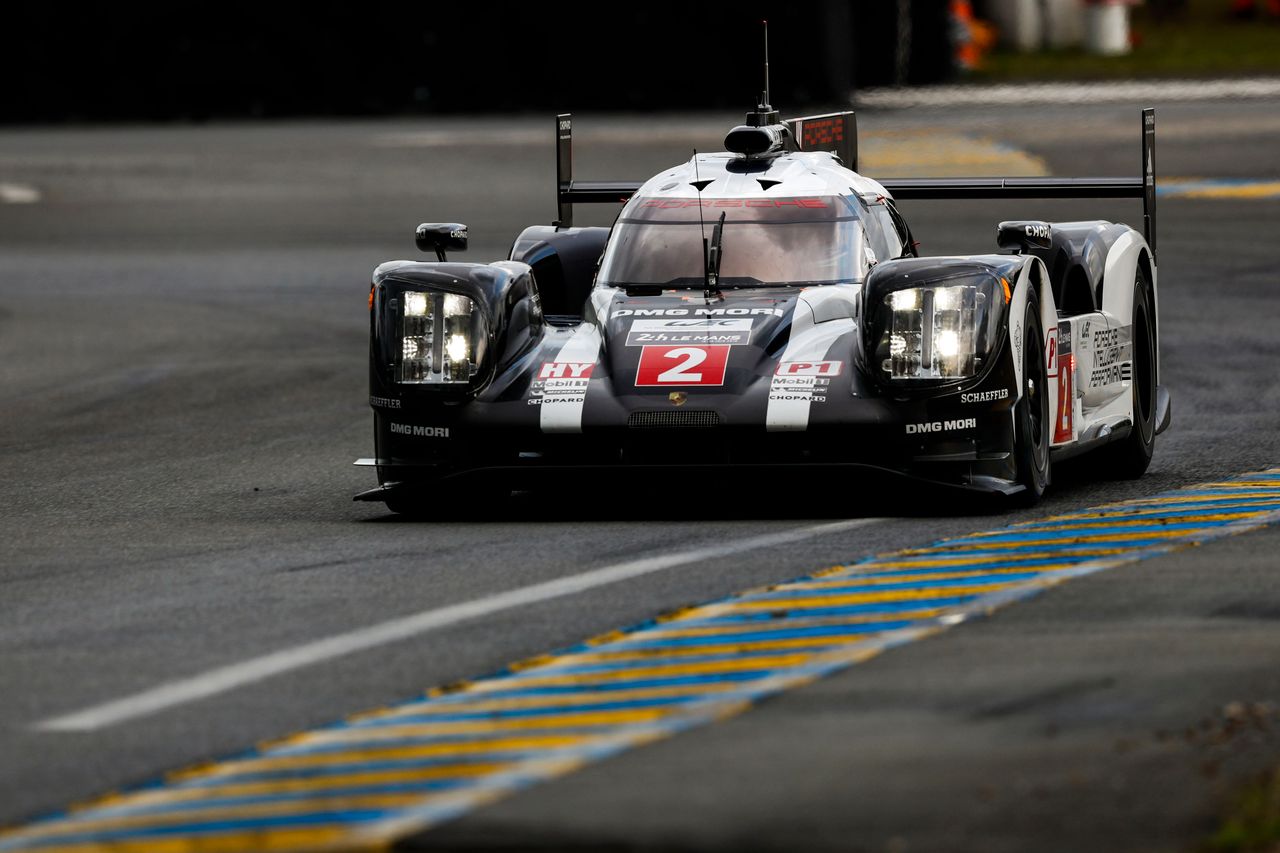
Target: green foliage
{"x": 1201, "y": 39}
{"x": 1254, "y": 822}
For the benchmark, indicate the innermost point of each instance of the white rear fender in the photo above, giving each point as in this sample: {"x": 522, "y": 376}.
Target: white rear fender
{"x": 1117, "y": 282}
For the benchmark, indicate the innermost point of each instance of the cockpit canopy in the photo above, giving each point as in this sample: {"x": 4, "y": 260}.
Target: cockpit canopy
{"x": 765, "y": 242}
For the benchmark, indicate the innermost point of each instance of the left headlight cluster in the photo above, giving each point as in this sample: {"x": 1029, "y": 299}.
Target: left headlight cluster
{"x": 442, "y": 338}
{"x": 939, "y": 332}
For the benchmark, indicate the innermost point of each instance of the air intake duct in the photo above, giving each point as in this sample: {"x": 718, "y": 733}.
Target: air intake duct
{"x": 756, "y": 141}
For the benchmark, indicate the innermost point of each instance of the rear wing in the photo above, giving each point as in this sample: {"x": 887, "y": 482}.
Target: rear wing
{"x": 838, "y": 133}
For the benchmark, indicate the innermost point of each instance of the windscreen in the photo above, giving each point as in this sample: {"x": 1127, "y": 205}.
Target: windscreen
{"x": 772, "y": 241}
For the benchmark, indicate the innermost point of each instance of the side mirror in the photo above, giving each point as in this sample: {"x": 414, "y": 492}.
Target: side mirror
{"x": 441, "y": 237}
{"x": 1023, "y": 235}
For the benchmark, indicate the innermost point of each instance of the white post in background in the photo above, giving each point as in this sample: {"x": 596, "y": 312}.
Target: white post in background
{"x": 1021, "y": 23}
{"x": 1063, "y": 23}
{"x": 1106, "y": 27}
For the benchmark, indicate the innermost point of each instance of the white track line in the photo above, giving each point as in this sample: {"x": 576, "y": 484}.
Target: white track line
{"x": 18, "y": 194}
{"x": 225, "y": 678}
{"x": 1146, "y": 92}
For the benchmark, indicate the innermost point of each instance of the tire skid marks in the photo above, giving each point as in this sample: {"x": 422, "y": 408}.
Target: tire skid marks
{"x": 385, "y": 773}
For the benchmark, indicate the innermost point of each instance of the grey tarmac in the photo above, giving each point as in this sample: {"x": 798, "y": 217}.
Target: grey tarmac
{"x": 182, "y": 370}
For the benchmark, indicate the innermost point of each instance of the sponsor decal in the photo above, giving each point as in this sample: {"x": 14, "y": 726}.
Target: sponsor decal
{"x": 984, "y": 396}
{"x": 697, "y": 312}
{"x": 677, "y": 203}
{"x": 561, "y": 382}
{"x": 682, "y": 365}
{"x": 1037, "y": 231}
{"x": 805, "y": 381}
{"x": 1108, "y": 350}
{"x": 1103, "y": 338}
{"x": 799, "y": 387}
{"x": 808, "y": 368}
{"x": 384, "y": 402}
{"x": 943, "y": 426}
{"x": 419, "y": 431}
{"x": 566, "y": 370}
{"x": 690, "y": 330}
{"x": 1064, "y": 421}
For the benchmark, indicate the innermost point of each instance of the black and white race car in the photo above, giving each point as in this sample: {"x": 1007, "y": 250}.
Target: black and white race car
{"x": 764, "y": 312}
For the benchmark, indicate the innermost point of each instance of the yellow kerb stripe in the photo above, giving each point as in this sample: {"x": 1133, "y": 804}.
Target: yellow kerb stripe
{"x": 357, "y": 756}
{"x": 313, "y": 783}
{"x": 308, "y": 838}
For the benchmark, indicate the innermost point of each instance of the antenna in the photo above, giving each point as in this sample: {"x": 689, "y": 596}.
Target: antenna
{"x": 766, "y": 63}
{"x": 711, "y": 268}
{"x": 702, "y": 226}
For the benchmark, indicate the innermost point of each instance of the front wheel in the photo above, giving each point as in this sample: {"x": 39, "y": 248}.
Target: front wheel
{"x": 1031, "y": 414}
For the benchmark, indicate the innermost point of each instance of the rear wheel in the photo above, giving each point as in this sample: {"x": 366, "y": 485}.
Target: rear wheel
{"x": 1031, "y": 414}
{"x": 1129, "y": 457}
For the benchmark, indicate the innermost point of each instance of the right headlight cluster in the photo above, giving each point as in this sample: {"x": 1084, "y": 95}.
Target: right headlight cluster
{"x": 936, "y": 331}
{"x": 442, "y": 338}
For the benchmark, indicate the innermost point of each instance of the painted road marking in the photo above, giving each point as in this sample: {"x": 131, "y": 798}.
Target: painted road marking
{"x": 223, "y": 679}
{"x": 933, "y": 152}
{"x": 381, "y": 775}
{"x": 1230, "y": 188}
{"x": 922, "y": 152}
{"x": 1094, "y": 92}
{"x": 18, "y": 194}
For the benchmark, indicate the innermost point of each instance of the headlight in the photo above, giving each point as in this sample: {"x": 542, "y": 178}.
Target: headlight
{"x": 935, "y": 332}
{"x": 442, "y": 339}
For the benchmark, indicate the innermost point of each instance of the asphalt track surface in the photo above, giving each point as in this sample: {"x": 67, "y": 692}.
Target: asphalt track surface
{"x": 182, "y": 369}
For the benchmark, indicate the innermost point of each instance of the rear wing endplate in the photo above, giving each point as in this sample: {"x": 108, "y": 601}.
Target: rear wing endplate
{"x": 838, "y": 133}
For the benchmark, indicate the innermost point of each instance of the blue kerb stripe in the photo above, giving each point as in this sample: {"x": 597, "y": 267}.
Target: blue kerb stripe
{"x": 1129, "y": 534}
{"x": 646, "y": 662}
{"x": 858, "y": 587}
{"x": 212, "y": 827}
{"x": 250, "y": 776}
{"x": 515, "y": 691}
{"x": 221, "y": 802}
{"x": 1245, "y": 510}
{"x": 747, "y": 636}
{"x": 497, "y": 715}
{"x": 855, "y": 580}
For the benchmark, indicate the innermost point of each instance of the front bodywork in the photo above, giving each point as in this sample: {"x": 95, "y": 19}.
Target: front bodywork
{"x": 757, "y": 379}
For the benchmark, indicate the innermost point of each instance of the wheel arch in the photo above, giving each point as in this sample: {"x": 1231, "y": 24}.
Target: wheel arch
{"x": 1126, "y": 257}
{"x": 1034, "y": 276}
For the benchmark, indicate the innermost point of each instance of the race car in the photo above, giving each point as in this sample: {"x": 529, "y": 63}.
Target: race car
{"x": 763, "y": 312}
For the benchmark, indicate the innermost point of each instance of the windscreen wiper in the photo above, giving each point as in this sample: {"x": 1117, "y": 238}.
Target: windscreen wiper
{"x": 711, "y": 277}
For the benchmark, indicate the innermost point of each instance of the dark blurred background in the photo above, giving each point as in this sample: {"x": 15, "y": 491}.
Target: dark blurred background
{"x": 196, "y": 61}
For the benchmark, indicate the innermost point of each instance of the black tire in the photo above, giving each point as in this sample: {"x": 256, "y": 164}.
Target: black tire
{"x": 1031, "y": 414}
{"x": 1128, "y": 458}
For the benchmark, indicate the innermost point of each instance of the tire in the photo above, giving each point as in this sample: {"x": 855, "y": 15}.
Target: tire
{"x": 1128, "y": 458}
{"x": 1031, "y": 414}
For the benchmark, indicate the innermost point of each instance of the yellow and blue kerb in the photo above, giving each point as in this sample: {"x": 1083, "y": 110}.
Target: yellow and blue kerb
{"x": 381, "y": 775}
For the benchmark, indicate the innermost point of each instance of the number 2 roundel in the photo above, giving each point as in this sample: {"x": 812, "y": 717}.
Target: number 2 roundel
{"x": 682, "y": 365}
